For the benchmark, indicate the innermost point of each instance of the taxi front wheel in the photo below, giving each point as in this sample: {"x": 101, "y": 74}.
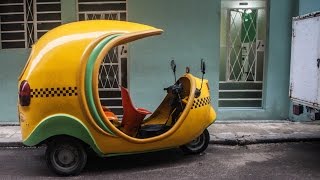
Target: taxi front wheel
{"x": 197, "y": 145}
{"x": 66, "y": 156}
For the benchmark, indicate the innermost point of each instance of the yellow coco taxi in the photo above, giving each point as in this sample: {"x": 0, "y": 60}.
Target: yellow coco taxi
{"x": 59, "y": 101}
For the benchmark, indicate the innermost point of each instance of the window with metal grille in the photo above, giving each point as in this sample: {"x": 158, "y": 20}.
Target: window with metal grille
{"x": 23, "y": 22}
{"x": 113, "y": 69}
{"x": 102, "y": 9}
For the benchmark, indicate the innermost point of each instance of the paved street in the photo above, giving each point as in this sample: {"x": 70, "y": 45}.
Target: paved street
{"x": 263, "y": 161}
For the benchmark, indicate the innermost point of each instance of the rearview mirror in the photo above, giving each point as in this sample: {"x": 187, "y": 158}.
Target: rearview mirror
{"x": 173, "y": 66}
{"x": 203, "y": 66}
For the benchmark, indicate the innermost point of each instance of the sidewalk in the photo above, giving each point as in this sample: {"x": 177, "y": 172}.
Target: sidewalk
{"x": 223, "y": 132}
{"x": 254, "y": 132}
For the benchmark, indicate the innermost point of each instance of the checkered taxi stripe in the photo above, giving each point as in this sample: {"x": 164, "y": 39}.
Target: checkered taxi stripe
{"x": 199, "y": 102}
{"x": 53, "y": 92}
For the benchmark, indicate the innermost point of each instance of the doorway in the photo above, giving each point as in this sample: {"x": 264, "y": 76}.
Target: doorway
{"x": 242, "y": 53}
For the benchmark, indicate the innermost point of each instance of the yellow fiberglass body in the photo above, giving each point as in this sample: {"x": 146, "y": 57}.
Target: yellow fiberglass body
{"x": 61, "y": 77}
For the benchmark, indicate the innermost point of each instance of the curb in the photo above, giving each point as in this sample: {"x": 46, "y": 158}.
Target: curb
{"x": 12, "y": 144}
{"x": 243, "y": 142}
{"x": 229, "y": 142}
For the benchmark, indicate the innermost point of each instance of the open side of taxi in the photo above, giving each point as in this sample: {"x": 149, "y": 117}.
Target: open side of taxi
{"x": 59, "y": 100}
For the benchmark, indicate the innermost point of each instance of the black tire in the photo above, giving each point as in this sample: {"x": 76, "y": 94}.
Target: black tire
{"x": 66, "y": 156}
{"x": 197, "y": 145}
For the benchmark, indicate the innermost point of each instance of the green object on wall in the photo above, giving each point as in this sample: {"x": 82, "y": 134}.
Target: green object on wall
{"x": 249, "y": 26}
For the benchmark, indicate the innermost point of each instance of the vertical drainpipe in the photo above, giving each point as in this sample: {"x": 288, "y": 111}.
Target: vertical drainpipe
{"x": 35, "y": 23}
{"x": 0, "y": 36}
{"x": 25, "y": 24}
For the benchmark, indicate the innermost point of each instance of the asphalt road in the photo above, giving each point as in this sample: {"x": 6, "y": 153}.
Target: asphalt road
{"x": 265, "y": 161}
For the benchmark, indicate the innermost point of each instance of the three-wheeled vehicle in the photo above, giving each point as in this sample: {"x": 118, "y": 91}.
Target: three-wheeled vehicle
{"x": 59, "y": 100}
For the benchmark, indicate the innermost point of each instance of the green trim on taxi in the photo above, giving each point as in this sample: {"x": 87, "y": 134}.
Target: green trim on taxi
{"x": 61, "y": 124}
{"x": 88, "y": 82}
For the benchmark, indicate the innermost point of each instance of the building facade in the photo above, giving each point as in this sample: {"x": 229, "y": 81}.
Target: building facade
{"x": 246, "y": 45}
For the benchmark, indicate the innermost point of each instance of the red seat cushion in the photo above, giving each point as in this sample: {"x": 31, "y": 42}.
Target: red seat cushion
{"x": 132, "y": 116}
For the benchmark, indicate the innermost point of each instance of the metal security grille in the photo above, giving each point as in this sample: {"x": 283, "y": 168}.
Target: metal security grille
{"x": 113, "y": 69}
{"x": 242, "y": 50}
{"x": 242, "y": 84}
{"x": 102, "y": 9}
{"x": 23, "y": 22}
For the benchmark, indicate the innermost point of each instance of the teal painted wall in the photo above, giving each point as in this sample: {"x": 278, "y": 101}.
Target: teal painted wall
{"x": 191, "y": 33}
{"x": 68, "y": 11}
{"x": 308, "y": 6}
{"x": 188, "y": 43}
{"x": 12, "y": 63}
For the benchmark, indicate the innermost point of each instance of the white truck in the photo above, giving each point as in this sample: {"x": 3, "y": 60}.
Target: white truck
{"x": 304, "y": 87}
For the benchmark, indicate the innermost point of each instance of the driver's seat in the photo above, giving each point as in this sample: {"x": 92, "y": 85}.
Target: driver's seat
{"x": 132, "y": 116}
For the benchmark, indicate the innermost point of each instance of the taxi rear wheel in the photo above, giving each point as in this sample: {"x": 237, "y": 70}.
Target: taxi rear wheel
{"x": 198, "y": 145}
{"x": 66, "y": 156}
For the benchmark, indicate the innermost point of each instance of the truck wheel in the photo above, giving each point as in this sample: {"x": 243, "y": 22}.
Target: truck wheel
{"x": 66, "y": 156}
{"x": 197, "y": 145}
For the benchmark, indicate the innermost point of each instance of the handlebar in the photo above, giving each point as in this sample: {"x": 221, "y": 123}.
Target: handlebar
{"x": 176, "y": 102}
{"x": 175, "y": 89}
